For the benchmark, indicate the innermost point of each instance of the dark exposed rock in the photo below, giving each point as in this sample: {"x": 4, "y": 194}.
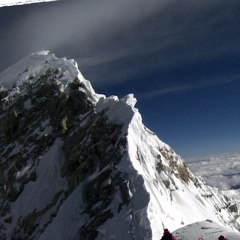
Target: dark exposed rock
{"x": 31, "y": 123}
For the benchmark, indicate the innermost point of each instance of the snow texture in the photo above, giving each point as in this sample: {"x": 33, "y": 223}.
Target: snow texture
{"x": 204, "y": 230}
{"x": 159, "y": 199}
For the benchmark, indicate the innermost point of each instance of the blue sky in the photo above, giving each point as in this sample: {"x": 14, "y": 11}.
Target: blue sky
{"x": 179, "y": 58}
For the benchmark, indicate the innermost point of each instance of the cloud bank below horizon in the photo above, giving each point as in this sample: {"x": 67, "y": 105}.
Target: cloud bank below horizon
{"x": 221, "y": 171}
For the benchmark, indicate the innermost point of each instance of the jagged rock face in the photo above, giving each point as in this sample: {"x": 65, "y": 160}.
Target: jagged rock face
{"x": 31, "y": 125}
{"x": 63, "y": 176}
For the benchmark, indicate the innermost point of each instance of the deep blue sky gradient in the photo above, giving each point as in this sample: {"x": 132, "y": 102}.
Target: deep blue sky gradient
{"x": 196, "y": 122}
{"x": 180, "y": 59}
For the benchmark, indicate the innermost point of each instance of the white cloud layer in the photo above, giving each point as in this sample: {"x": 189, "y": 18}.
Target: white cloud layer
{"x": 222, "y": 171}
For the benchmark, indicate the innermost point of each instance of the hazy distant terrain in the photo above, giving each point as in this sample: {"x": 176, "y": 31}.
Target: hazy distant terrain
{"x": 221, "y": 171}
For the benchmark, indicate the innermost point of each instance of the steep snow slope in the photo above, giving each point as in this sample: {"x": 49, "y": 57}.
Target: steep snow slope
{"x": 62, "y": 178}
{"x": 176, "y": 197}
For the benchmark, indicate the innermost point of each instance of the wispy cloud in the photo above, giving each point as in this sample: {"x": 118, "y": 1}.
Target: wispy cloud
{"x": 155, "y": 34}
{"x": 203, "y": 83}
{"x": 170, "y": 90}
{"x": 218, "y": 81}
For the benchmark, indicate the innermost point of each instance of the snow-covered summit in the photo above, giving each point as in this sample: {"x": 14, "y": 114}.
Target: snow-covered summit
{"x": 30, "y": 69}
{"x": 79, "y": 165}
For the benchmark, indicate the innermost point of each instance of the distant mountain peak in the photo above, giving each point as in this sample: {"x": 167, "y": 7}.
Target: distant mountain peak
{"x": 80, "y": 165}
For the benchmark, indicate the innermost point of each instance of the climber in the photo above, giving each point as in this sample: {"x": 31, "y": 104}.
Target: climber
{"x": 124, "y": 141}
{"x": 113, "y": 141}
{"x": 222, "y": 238}
{"x": 167, "y": 235}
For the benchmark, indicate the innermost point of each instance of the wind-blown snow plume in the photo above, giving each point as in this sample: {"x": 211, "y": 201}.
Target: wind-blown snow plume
{"x": 5, "y": 3}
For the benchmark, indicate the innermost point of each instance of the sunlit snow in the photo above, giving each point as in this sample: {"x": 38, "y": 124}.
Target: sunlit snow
{"x": 159, "y": 199}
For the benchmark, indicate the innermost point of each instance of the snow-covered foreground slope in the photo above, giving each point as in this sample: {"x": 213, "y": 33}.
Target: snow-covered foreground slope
{"x": 61, "y": 176}
{"x": 204, "y": 230}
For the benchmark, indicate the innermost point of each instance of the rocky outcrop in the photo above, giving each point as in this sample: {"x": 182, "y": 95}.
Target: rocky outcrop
{"x": 31, "y": 124}
{"x": 74, "y": 163}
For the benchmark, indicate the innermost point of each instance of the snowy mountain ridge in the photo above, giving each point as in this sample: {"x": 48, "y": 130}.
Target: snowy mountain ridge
{"x": 62, "y": 177}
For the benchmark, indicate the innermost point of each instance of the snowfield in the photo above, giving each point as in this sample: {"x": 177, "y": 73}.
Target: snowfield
{"x": 204, "y": 230}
